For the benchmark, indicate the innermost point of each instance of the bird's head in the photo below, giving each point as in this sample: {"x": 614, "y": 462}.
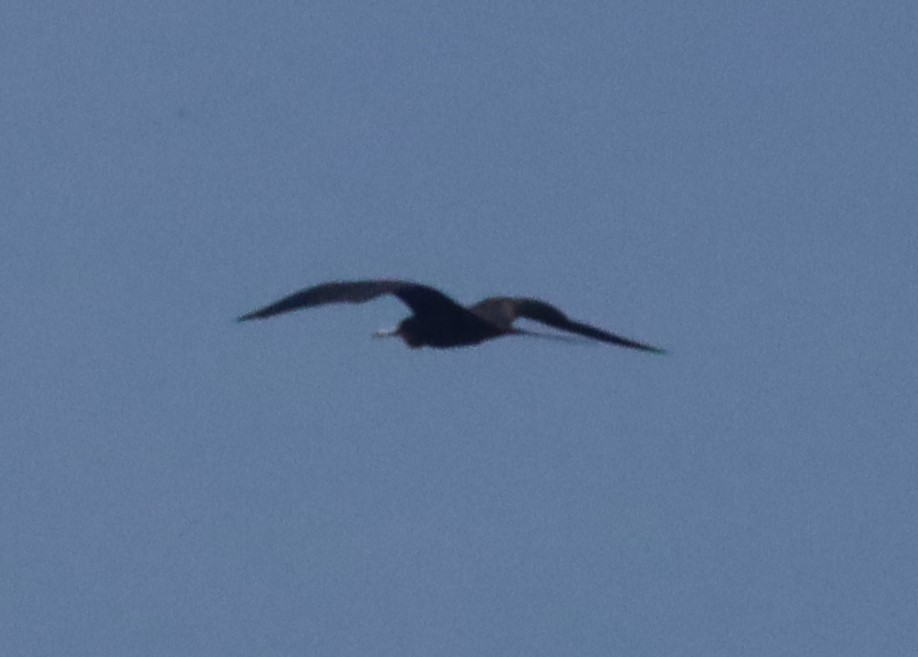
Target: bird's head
{"x": 403, "y": 331}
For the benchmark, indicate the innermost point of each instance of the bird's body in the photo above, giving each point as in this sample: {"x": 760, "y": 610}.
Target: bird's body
{"x": 438, "y": 321}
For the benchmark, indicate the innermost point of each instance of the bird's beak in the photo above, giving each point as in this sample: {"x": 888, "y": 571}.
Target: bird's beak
{"x": 391, "y": 333}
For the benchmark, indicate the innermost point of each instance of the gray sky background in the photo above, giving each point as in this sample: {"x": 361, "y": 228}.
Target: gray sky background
{"x": 734, "y": 181}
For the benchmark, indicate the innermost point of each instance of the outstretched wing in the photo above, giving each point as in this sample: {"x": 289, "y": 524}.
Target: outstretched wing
{"x": 420, "y": 298}
{"x": 504, "y": 310}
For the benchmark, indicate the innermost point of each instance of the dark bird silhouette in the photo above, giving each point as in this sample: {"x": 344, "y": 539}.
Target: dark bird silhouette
{"x": 440, "y": 322}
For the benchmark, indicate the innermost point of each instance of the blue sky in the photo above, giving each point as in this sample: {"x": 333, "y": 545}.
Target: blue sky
{"x": 736, "y": 182}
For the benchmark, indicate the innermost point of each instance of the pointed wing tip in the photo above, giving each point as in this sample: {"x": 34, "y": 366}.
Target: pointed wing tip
{"x": 648, "y": 349}
{"x": 639, "y": 346}
{"x": 248, "y": 316}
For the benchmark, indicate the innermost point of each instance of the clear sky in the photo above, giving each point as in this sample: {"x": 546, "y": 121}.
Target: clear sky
{"x": 734, "y": 181}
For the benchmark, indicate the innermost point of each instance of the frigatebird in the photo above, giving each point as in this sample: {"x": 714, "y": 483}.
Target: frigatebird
{"x": 440, "y": 322}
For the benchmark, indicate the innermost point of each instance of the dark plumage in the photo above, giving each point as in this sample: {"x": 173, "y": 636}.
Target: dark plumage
{"x": 440, "y": 322}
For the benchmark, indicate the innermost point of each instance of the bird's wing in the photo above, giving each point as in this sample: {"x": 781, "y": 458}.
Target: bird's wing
{"x": 420, "y": 298}
{"x": 504, "y": 310}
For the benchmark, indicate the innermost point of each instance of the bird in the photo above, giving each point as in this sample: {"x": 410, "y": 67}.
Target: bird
{"x": 440, "y": 322}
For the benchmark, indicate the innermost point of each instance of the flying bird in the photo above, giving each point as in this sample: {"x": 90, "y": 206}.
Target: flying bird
{"x": 438, "y": 321}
